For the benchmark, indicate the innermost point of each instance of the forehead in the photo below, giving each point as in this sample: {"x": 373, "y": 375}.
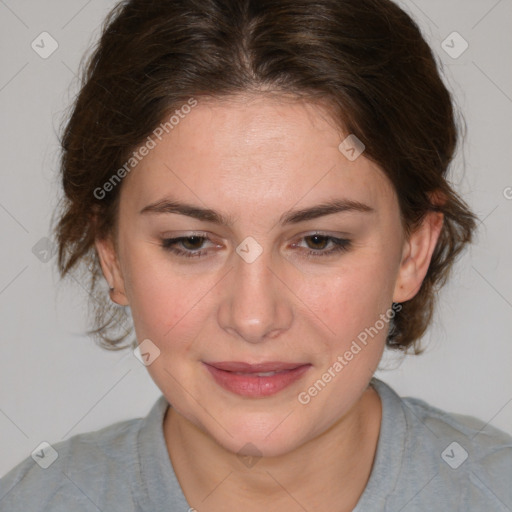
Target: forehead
{"x": 252, "y": 148}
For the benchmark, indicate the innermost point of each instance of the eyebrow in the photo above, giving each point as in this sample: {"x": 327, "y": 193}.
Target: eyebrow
{"x": 290, "y": 217}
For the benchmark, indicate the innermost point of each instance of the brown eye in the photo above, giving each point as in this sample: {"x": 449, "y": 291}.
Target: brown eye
{"x": 319, "y": 241}
{"x": 318, "y": 245}
{"x": 192, "y": 243}
{"x": 187, "y": 246}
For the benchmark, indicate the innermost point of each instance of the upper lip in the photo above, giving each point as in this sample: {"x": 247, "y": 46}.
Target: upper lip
{"x": 270, "y": 366}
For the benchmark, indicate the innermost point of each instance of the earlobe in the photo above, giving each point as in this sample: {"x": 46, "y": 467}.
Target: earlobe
{"x": 111, "y": 271}
{"x": 416, "y": 257}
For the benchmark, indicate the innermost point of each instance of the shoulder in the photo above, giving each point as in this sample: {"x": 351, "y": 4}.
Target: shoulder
{"x": 450, "y": 458}
{"x": 487, "y": 445}
{"x": 75, "y": 474}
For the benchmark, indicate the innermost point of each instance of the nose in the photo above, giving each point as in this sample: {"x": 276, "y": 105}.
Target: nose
{"x": 256, "y": 305}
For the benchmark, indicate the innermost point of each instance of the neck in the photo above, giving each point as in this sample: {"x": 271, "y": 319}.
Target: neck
{"x": 332, "y": 468}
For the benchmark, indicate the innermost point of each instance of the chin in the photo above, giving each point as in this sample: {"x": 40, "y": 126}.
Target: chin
{"x": 254, "y": 446}
{"x": 269, "y": 437}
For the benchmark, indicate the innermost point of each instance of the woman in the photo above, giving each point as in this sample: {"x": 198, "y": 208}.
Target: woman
{"x": 264, "y": 186}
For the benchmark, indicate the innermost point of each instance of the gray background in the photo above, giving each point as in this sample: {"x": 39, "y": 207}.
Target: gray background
{"x": 55, "y": 382}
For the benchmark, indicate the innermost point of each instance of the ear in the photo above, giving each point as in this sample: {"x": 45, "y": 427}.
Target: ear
{"x": 111, "y": 270}
{"x": 416, "y": 255}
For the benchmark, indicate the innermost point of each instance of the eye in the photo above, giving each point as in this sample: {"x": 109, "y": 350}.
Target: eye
{"x": 192, "y": 245}
{"x": 320, "y": 242}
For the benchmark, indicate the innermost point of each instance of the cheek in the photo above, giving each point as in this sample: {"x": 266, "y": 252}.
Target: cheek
{"x": 160, "y": 308}
{"x": 169, "y": 308}
{"x": 159, "y": 298}
{"x": 353, "y": 299}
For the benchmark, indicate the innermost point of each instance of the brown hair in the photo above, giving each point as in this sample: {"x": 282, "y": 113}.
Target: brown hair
{"x": 366, "y": 58}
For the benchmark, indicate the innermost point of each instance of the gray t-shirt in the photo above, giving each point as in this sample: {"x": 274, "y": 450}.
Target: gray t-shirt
{"x": 426, "y": 460}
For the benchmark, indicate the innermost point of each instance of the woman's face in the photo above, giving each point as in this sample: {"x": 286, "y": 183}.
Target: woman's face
{"x": 260, "y": 287}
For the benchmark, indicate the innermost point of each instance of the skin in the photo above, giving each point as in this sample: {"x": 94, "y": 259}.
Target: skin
{"x": 253, "y": 158}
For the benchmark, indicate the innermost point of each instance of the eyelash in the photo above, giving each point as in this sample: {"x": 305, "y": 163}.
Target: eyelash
{"x": 340, "y": 245}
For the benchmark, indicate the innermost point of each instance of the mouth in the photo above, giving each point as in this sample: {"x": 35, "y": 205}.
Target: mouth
{"x": 256, "y": 380}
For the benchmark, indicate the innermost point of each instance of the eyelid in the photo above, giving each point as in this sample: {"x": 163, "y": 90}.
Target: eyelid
{"x": 319, "y": 232}
{"x": 207, "y": 236}
{"x": 338, "y": 245}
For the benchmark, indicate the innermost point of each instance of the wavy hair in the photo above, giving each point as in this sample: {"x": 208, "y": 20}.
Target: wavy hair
{"x": 366, "y": 58}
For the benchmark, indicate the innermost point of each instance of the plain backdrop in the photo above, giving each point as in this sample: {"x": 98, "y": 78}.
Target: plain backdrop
{"x": 55, "y": 382}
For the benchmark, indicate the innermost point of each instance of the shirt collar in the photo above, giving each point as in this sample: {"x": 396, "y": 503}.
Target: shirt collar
{"x": 160, "y": 486}
{"x": 390, "y": 450}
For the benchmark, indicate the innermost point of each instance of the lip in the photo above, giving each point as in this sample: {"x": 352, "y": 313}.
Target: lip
{"x": 238, "y": 377}
{"x": 269, "y": 366}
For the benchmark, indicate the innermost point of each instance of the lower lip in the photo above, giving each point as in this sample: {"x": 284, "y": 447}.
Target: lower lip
{"x": 254, "y": 385}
